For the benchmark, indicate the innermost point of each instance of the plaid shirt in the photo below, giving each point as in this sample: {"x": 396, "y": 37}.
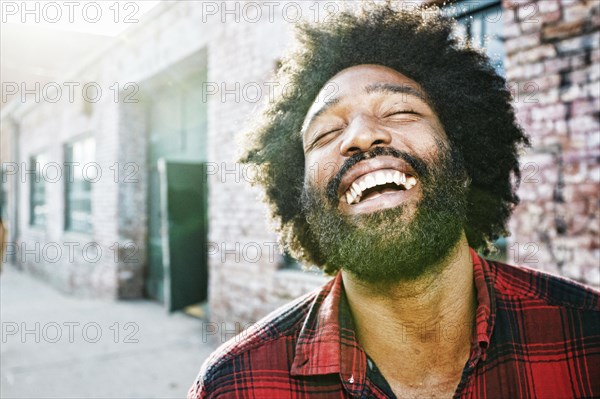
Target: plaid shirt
{"x": 535, "y": 336}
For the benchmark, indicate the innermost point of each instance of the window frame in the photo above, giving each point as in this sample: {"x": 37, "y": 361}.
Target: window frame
{"x": 462, "y": 12}
{"x": 69, "y": 182}
{"x": 36, "y": 181}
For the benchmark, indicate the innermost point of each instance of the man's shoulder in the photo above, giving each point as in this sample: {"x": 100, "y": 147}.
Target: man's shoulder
{"x": 269, "y": 344}
{"x": 520, "y": 282}
{"x": 284, "y": 322}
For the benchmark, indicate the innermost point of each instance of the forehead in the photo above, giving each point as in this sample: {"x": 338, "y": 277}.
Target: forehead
{"x": 368, "y": 74}
{"x": 361, "y": 80}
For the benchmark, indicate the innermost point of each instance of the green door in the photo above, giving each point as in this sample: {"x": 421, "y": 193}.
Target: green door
{"x": 183, "y": 194}
{"x": 177, "y": 132}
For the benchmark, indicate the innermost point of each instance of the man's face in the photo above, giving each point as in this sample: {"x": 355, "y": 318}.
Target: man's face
{"x": 384, "y": 193}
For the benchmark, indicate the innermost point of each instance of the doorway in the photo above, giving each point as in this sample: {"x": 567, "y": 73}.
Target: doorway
{"x": 177, "y": 133}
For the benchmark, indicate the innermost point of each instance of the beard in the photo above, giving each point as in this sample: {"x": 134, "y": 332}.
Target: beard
{"x": 397, "y": 244}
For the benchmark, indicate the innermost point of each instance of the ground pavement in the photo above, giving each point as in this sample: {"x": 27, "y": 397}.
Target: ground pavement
{"x": 59, "y": 346}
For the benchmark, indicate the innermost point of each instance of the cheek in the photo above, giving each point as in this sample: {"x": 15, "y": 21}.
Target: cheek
{"x": 420, "y": 138}
{"x": 319, "y": 168}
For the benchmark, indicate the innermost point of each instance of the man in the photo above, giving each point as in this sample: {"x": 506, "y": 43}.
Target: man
{"x": 390, "y": 181}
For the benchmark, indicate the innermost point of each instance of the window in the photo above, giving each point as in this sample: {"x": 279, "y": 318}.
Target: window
{"x": 501, "y": 255}
{"x": 480, "y": 22}
{"x": 289, "y": 263}
{"x": 37, "y": 195}
{"x": 80, "y": 172}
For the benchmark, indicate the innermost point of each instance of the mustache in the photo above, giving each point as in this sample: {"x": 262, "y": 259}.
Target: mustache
{"x": 418, "y": 165}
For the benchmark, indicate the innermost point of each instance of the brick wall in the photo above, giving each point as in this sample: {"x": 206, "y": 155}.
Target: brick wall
{"x": 243, "y": 285}
{"x": 553, "y": 68}
{"x": 71, "y": 261}
{"x": 247, "y": 288}
{"x": 118, "y": 207}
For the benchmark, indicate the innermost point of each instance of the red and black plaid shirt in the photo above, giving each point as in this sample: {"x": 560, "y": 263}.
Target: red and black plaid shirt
{"x": 536, "y": 336}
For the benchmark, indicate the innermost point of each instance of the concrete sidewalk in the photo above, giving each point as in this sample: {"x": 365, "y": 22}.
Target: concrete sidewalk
{"x": 57, "y": 346}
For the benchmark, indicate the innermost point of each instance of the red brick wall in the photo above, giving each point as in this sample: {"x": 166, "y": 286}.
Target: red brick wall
{"x": 553, "y": 69}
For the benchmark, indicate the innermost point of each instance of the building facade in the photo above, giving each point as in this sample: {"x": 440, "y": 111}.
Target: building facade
{"x": 86, "y": 179}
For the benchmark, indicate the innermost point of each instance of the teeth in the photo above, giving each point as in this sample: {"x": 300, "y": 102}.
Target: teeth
{"x": 370, "y": 181}
{"x": 356, "y": 189}
{"x": 381, "y": 177}
{"x": 411, "y": 181}
{"x": 389, "y": 177}
{"x": 396, "y": 177}
{"x": 353, "y": 194}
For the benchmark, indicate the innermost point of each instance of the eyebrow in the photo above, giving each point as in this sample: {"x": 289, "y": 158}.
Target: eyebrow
{"x": 406, "y": 89}
{"x": 328, "y": 104}
{"x": 402, "y": 89}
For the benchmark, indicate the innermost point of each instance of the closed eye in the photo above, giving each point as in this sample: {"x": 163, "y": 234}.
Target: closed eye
{"x": 401, "y": 112}
{"x": 321, "y": 136}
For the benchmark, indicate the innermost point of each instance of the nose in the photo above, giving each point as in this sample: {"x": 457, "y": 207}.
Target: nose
{"x": 362, "y": 135}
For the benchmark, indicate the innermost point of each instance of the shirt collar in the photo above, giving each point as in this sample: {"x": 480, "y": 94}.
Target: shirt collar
{"x": 485, "y": 314}
{"x": 318, "y": 345}
{"x": 327, "y": 343}
{"x": 325, "y": 346}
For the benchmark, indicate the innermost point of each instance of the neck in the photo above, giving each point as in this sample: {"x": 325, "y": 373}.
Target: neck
{"x": 417, "y": 323}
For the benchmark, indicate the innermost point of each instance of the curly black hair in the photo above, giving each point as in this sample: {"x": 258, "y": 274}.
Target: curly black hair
{"x": 470, "y": 99}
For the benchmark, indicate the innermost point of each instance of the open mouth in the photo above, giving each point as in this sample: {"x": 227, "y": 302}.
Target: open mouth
{"x": 376, "y": 183}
